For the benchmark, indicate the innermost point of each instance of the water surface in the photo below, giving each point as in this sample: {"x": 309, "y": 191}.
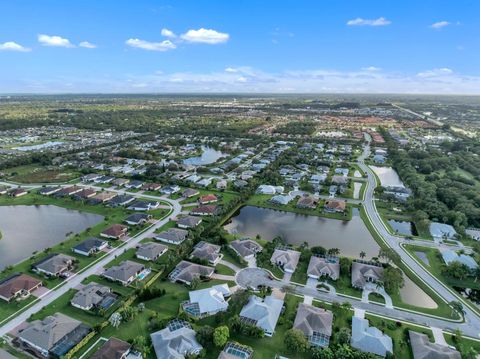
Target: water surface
{"x": 208, "y": 156}
{"x": 351, "y": 237}
{"x": 27, "y": 229}
{"x": 403, "y": 227}
{"x": 388, "y": 176}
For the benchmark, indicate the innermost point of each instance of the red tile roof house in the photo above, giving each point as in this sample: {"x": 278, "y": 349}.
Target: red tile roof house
{"x": 68, "y": 191}
{"x": 18, "y": 286}
{"x": 17, "y": 192}
{"x": 208, "y": 210}
{"x": 208, "y": 198}
{"x": 116, "y": 231}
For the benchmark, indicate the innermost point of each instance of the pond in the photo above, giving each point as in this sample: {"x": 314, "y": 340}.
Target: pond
{"x": 414, "y": 295}
{"x": 388, "y": 176}
{"x": 403, "y": 227}
{"x": 27, "y": 229}
{"x": 351, "y": 237}
{"x": 208, "y": 156}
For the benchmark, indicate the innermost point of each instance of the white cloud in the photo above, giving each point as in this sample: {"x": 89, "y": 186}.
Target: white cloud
{"x": 87, "y": 45}
{"x": 371, "y": 68}
{"x": 13, "y": 46}
{"x": 151, "y": 46}
{"x": 231, "y": 69}
{"x": 205, "y": 36}
{"x": 443, "y": 71}
{"x": 381, "y": 21}
{"x": 47, "y": 40}
{"x": 439, "y": 25}
{"x": 168, "y": 33}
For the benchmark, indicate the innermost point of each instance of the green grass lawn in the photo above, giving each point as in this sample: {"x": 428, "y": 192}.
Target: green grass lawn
{"x": 223, "y": 269}
{"x": 40, "y": 174}
{"x": 300, "y": 274}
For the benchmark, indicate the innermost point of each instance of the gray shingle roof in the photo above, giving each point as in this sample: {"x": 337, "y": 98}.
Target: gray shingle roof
{"x": 422, "y": 348}
{"x": 124, "y": 271}
{"x": 90, "y": 295}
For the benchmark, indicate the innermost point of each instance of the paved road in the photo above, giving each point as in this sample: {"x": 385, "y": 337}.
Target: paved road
{"x": 76, "y": 279}
{"x": 472, "y": 325}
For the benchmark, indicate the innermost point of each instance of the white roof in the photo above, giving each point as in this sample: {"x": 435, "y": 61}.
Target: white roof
{"x": 211, "y": 299}
{"x": 369, "y": 339}
{"x": 265, "y": 312}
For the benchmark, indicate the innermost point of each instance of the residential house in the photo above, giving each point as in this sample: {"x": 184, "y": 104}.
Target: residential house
{"x": 208, "y": 301}
{"x": 335, "y": 206}
{"x": 85, "y": 193}
{"x": 208, "y": 198}
{"x": 170, "y": 189}
{"x": 189, "y": 192}
{"x": 151, "y": 186}
{"x": 48, "y": 191}
{"x": 120, "y": 200}
{"x": 205, "y": 182}
{"x": 103, "y": 197}
{"x": 144, "y": 205}
{"x": 93, "y": 295}
{"x": 423, "y": 348}
{"x": 315, "y": 323}
{"x": 281, "y": 199}
{"x": 450, "y": 256}
{"x": 172, "y": 236}
{"x": 90, "y": 246}
{"x": 113, "y": 349}
{"x": 134, "y": 184}
{"x": 474, "y": 233}
{"x": 186, "y": 272}
{"x": 68, "y": 191}
{"x": 287, "y": 259}
{"x": 92, "y": 177}
{"x": 18, "y": 286}
{"x": 233, "y": 350}
{"x": 207, "y": 210}
{"x": 104, "y": 179}
{"x": 124, "y": 273}
{"x": 177, "y": 341}
{"x": 246, "y": 248}
{"x": 116, "y": 231}
{"x": 188, "y": 222}
{"x": 379, "y": 159}
{"x": 363, "y": 273}
{"x": 222, "y": 184}
{"x": 53, "y": 336}
{"x": 323, "y": 267}
{"x": 138, "y": 218}
{"x": 442, "y": 231}
{"x": 339, "y": 180}
{"x": 307, "y": 202}
{"x": 120, "y": 181}
{"x": 263, "y": 313}
{"x": 267, "y": 189}
{"x": 369, "y": 339}
{"x": 17, "y": 192}
{"x": 208, "y": 252}
{"x": 54, "y": 265}
{"x": 150, "y": 251}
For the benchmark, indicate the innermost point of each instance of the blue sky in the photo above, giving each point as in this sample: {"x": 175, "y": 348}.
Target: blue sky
{"x": 240, "y": 46}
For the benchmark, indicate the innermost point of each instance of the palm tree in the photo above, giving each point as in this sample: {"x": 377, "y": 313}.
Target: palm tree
{"x": 456, "y": 307}
{"x": 363, "y": 254}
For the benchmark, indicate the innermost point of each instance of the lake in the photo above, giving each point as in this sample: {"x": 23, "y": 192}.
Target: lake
{"x": 351, "y": 237}
{"x": 208, "y": 156}
{"x": 27, "y": 229}
{"x": 388, "y": 176}
{"x": 403, "y": 227}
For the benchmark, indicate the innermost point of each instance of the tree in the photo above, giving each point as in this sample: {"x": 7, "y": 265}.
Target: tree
{"x": 343, "y": 336}
{"x": 205, "y": 335}
{"x": 333, "y": 252}
{"x": 221, "y": 335}
{"x": 142, "y": 345}
{"x": 363, "y": 254}
{"x": 296, "y": 341}
{"x": 456, "y": 307}
{"x": 456, "y": 270}
{"x": 389, "y": 255}
{"x": 392, "y": 279}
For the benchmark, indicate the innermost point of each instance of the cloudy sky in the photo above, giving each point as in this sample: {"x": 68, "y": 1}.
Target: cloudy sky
{"x": 288, "y": 46}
